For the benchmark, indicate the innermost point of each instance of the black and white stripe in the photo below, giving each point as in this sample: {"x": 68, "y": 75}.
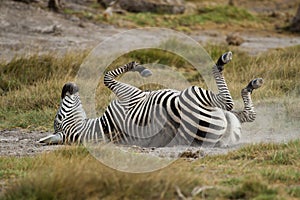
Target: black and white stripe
{"x": 156, "y": 118}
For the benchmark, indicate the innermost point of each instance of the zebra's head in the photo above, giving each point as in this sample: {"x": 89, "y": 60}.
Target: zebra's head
{"x": 69, "y": 116}
{"x": 68, "y": 103}
{"x": 70, "y": 113}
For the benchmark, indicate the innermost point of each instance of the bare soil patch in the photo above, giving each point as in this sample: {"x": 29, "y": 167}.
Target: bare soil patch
{"x": 20, "y": 142}
{"x": 27, "y": 29}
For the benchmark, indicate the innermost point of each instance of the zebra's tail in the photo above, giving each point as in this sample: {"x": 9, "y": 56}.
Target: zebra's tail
{"x": 52, "y": 139}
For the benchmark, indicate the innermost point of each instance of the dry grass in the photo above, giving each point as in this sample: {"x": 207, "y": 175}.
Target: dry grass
{"x": 31, "y": 87}
{"x": 279, "y": 68}
{"x": 264, "y": 171}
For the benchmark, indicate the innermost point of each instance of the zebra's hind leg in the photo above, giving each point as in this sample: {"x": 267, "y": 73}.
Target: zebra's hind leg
{"x": 223, "y": 99}
{"x": 254, "y": 84}
{"x": 248, "y": 114}
{"x": 224, "y": 59}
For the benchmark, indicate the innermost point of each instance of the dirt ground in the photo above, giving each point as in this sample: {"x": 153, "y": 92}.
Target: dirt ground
{"x": 26, "y": 29}
{"x": 20, "y": 142}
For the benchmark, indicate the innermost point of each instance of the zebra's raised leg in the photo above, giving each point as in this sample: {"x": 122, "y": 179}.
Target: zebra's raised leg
{"x": 122, "y": 90}
{"x": 223, "y": 99}
{"x": 144, "y": 72}
{"x": 248, "y": 114}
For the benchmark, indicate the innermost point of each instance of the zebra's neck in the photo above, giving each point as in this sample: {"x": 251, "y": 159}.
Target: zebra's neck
{"x": 93, "y": 130}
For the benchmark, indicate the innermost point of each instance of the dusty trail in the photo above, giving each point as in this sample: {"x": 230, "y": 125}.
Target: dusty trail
{"x": 26, "y": 29}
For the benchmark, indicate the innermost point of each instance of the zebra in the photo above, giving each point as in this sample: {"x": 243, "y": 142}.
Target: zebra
{"x": 165, "y": 117}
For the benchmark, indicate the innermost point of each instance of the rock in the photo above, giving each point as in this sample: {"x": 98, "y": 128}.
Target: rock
{"x": 234, "y": 39}
{"x": 52, "y": 29}
{"x": 27, "y": 1}
{"x": 191, "y": 8}
{"x": 54, "y": 5}
{"x": 295, "y": 25}
{"x": 106, "y": 3}
{"x": 231, "y": 3}
{"x": 155, "y": 6}
{"x": 190, "y": 154}
{"x": 278, "y": 15}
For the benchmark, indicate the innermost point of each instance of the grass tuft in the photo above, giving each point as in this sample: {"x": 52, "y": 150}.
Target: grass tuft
{"x": 253, "y": 189}
{"x": 294, "y": 191}
{"x": 269, "y": 153}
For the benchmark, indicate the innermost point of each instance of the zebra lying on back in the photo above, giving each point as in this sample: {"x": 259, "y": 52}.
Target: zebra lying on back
{"x": 156, "y": 118}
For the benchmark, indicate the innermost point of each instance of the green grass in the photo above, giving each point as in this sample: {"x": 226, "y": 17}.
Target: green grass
{"x": 225, "y": 15}
{"x": 36, "y": 119}
{"x": 220, "y": 15}
{"x": 73, "y": 173}
{"x": 30, "y": 87}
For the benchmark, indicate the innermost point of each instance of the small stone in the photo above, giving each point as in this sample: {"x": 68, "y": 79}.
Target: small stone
{"x": 234, "y": 39}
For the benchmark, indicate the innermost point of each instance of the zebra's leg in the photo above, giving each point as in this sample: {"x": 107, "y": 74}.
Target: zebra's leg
{"x": 122, "y": 90}
{"x": 142, "y": 70}
{"x": 248, "y": 114}
{"x": 223, "y": 99}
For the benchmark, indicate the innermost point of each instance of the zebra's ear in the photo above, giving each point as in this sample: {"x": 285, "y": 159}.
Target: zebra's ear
{"x": 70, "y": 88}
{"x": 52, "y": 139}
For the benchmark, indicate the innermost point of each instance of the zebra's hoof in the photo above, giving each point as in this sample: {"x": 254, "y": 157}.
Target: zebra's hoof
{"x": 224, "y": 59}
{"x": 146, "y": 73}
{"x": 254, "y": 84}
{"x": 142, "y": 70}
{"x": 257, "y": 83}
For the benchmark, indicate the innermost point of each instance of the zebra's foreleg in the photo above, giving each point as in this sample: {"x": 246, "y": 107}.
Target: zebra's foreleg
{"x": 122, "y": 90}
{"x": 223, "y": 99}
{"x": 248, "y": 114}
{"x": 132, "y": 66}
{"x": 142, "y": 70}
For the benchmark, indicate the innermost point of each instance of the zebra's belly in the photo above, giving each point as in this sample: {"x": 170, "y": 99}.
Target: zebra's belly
{"x": 233, "y": 130}
{"x": 146, "y": 122}
{"x": 138, "y": 124}
{"x": 153, "y": 125}
{"x": 205, "y": 126}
